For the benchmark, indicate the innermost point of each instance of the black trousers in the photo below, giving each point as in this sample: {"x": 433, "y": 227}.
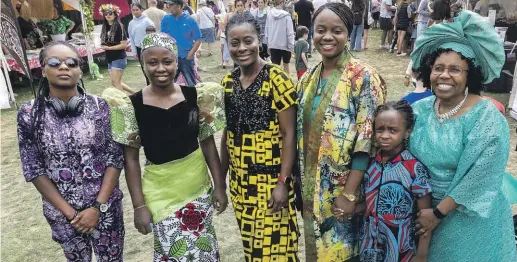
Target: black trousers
{"x": 139, "y": 54}
{"x": 263, "y": 51}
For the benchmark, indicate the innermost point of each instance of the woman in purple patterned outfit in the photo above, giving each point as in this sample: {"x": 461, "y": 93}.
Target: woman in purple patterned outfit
{"x": 68, "y": 153}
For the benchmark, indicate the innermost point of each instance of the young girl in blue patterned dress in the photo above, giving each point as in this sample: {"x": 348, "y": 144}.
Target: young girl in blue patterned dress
{"x": 396, "y": 185}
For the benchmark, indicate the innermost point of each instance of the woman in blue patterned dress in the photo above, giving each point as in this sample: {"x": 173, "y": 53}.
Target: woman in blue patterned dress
{"x": 464, "y": 141}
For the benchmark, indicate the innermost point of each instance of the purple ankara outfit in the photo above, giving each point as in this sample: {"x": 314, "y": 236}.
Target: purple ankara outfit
{"x": 74, "y": 153}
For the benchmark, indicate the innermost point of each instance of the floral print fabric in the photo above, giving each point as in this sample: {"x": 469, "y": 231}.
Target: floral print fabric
{"x": 74, "y": 153}
{"x": 187, "y": 234}
{"x": 107, "y": 239}
{"x": 56, "y": 26}
{"x": 210, "y": 98}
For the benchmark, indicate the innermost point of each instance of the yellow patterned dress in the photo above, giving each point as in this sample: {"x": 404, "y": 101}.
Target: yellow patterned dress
{"x": 254, "y": 144}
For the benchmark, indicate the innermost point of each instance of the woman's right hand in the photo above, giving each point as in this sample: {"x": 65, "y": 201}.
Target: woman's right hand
{"x": 143, "y": 220}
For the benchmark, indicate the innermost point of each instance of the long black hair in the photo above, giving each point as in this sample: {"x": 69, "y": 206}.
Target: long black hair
{"x": 341, "y": 10}
{"x": 38, "y": 107}
{"x": 109, "y": 36}
{"x": 475, "y": 75}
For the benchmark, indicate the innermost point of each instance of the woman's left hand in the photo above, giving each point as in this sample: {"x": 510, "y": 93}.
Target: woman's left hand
{"x": 279, "y": 198}
{"x": 426, "y": 221}
{"x": 220, "y": 200}
{"x": 105, "y": 48}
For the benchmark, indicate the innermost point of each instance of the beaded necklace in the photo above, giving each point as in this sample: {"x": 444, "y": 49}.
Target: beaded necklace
{"x": 451, "y": 113}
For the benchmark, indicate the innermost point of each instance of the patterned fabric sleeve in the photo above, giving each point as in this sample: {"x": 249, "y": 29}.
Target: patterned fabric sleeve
{"x": 67, "y": 22}
{"x": 30, "y": 156}
{"x": 482, "y": 165}
{"x": 124, "y": 128}
{"x": 421, "y": 185}
{"x": 115, "y": 151}
{"x": 284, "y": 90}
{"x": 210, "y": 99}
{"x": 372, "y": 93}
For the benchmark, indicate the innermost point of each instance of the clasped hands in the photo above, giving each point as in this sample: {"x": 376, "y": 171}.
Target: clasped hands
{"x": 86, "y": 220}
{"x": 346, "y": 209}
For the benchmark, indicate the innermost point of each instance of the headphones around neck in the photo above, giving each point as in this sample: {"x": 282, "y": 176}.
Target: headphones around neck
{"x": 74, "y": 107}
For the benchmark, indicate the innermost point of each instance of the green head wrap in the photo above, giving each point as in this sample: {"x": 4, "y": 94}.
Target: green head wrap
{"x": 159, "y": 40}
{"x": 469, "y": 34}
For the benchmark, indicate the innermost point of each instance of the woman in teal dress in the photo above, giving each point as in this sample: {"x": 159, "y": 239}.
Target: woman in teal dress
{"x": 464, "y": 141}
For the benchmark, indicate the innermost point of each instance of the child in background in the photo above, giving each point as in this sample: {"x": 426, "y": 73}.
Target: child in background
{"x": 397, "y": 185}
{"x": 420, "y": 91}
{"x": 301, "y": 48}
{"x": 150, "y": 29}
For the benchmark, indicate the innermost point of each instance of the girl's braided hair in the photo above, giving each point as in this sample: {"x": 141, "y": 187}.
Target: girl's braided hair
{"x": 402, "y": 107}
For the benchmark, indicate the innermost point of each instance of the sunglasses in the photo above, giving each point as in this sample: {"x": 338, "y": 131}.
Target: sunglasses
{"x": 107, "y": 13}
{"x": 69, "y": 62}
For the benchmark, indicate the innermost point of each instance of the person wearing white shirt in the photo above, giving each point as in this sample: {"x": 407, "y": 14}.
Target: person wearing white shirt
{"x": 386, "y": 22}
{"x": 221, "y": 7}
{"x": 318, "y": 3}
{"x": 206, "y": 20}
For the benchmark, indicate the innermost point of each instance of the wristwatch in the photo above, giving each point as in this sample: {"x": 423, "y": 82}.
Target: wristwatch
{"x": 438, "y": 214}
{"x": 350, "y": 197}
{"x": 285, "y": 179}
{"x": 103, "y": 207}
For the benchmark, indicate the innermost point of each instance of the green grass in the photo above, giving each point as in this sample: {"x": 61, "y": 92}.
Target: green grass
{"x": 25, "y": 234}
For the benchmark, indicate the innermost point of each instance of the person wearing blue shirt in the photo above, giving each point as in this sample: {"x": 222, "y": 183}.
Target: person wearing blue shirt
{"x": 185, "y": 30}
{"x": 420, "y": 91}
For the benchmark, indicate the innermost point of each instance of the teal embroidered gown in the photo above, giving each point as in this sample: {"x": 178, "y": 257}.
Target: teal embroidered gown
{"x": 467, "y": 158}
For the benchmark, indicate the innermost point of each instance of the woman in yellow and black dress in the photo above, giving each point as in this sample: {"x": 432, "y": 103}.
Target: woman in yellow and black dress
{"x": 258, "y": 146}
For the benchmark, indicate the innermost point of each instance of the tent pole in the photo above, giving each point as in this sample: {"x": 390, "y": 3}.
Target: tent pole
{"x": 5, "y": 70}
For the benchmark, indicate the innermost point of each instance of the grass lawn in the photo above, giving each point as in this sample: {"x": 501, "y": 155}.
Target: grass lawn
{"x": 25, "y": 234}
